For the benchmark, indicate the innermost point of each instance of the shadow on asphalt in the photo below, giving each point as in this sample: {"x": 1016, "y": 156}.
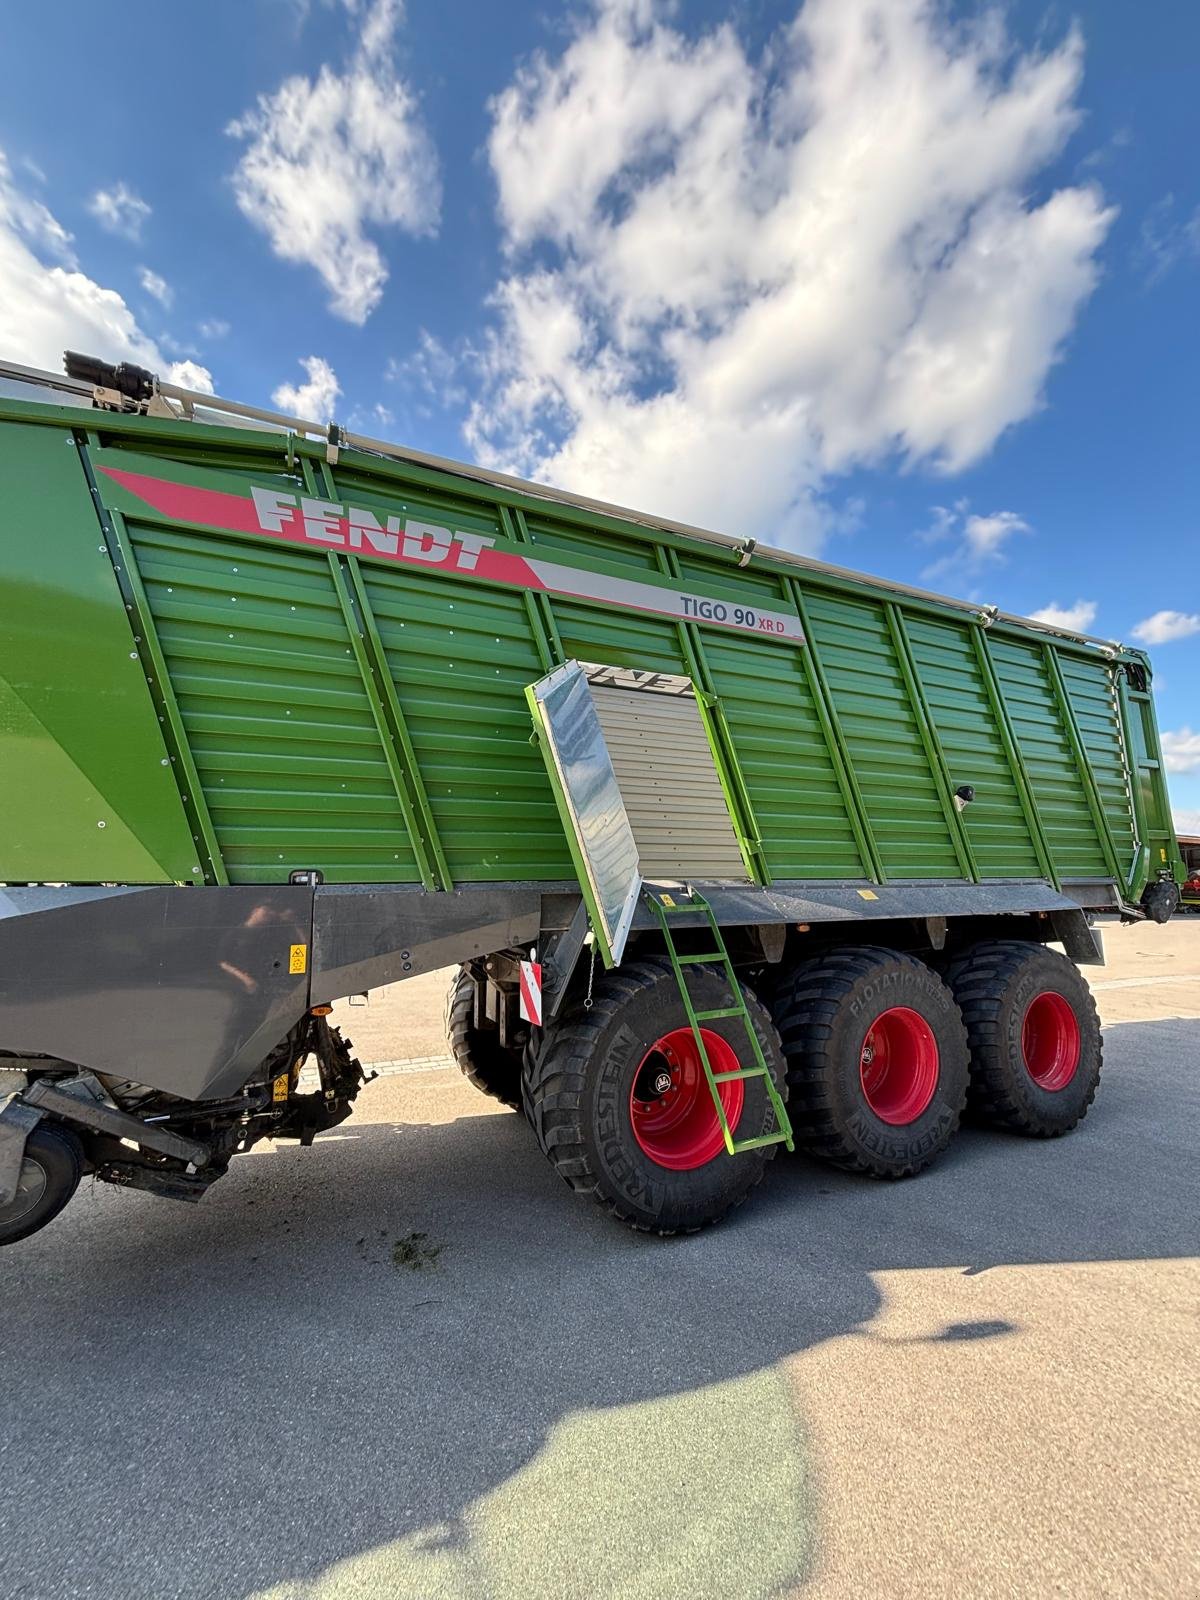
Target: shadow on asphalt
{"x": 251, "y": 1396}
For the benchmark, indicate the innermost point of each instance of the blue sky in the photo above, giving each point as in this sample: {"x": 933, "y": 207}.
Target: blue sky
{"x": 911, "y": 287}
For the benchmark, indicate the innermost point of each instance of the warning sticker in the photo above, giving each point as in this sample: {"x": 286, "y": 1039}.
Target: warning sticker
{"x": 298, "y": 960}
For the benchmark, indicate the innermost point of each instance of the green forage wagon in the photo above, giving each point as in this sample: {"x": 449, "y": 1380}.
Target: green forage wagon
{"x": 731, "y": 849}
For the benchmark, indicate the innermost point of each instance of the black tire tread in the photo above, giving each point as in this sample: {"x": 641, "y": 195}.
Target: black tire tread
{"x": 67, "y": 1148}
{"x": 805, "y": 1014}
{"x": 553, "y": 1080}
{"x": 978, "y": 980}
{"x": 481, "y": 1060}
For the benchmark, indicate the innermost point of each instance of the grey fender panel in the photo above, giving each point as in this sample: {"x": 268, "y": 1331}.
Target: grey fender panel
{"x": 364, "y": 935}
{"x": 183, "y": 989}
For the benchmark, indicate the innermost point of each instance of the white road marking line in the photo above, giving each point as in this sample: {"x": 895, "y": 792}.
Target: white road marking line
{"x": 1146, "y": 983}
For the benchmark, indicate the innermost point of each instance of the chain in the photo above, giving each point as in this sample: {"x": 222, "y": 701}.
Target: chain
{"x": 587, "y": 999}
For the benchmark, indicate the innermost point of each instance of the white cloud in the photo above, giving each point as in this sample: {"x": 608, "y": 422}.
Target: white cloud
{"x": 119, "y": 210}
{"x": 1166, "y": 239}
{"x": 977, "y": 542}
{"x": 190, "y": 375}
{"x": 432, "y": 370}
{"x": 1164, "y": 626}
{"x": 314, "y": 400}
{"x": 1076, "y": 619}
{"x": 215, "y": 328}
{"x": 328, "y": 157}
{"x": 156, "y": 285}
{"x": 47, "y": 306}
{"x": 1181, "y": 750}
{"x": 731, "y": 278}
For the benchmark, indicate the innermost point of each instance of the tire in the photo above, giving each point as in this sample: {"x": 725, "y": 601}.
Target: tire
{"x": 493, "y": 1070}
{"x": 876, "y": 1061}
{"x": 50, "y": 1173}
{"x": 1035, "y": 1038}
{"x": 596, "y": 1092}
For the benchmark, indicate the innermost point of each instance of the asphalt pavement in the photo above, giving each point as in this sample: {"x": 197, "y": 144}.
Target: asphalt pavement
{"x": 410, "y": 1363}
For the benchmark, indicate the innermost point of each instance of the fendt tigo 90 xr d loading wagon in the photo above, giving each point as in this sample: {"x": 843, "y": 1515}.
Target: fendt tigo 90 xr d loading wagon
{"x": 732, "y": 850}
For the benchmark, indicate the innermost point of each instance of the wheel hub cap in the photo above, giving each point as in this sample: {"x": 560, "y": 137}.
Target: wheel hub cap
{"x": 671, "y": 1110}
{"x": 1050, "y": 1041}
{"x": 31, "y": 1186}
{"x": 898, "y": 1066}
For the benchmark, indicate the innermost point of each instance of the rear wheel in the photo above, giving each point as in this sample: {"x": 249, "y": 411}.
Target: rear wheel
{"x": 619, "y": 1101}
{"x": 1035, "y": 1037}
{"x": 50, "y": 1173}
{"x": 876, "y": 1060}
{"x": 493, "y": 1069}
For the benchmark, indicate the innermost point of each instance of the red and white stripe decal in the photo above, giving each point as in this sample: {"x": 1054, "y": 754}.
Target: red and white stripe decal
{"x": 268, "y": 513}
{"x": 531, "y": 992}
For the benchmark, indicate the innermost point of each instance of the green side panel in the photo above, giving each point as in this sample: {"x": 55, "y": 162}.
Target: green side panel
{"x": 632, "y": 555}
{"x": 776, "y": 733}
{"x": 76, "y": 719}
{"x": 970, "y": 738}
{"x": 783, "y": 757}
{"x": 1046, "y": 750}
{"x": 601, "y": 633}
{"x": 618, "y": 639}
{"x": 1147, "y": 773}
{"x": 1092, "y": 690}
{"x": 461, "y": 657}
{"x": 881, "y": 734}
{"x": 278, "y": 721}
{"x": 331, "y": 705}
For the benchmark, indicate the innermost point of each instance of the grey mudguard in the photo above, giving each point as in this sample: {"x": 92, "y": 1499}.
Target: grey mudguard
{"x": 183, "y": 989}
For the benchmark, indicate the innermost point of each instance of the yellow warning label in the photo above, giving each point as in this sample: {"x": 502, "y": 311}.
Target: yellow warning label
{"x": 666, "y": 899}
{"x": 867, "y": 894}
{"x": 1163, "y": 854}
{"x": 298, "y": 960}
{"x": 279, "y": 1089}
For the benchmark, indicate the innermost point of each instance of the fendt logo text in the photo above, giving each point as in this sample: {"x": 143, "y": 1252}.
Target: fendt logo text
{"x": 352, "y": 528}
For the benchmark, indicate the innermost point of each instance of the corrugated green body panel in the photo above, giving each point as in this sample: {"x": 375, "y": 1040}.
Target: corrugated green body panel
{"x": 969, "y": 732}
{"x": 1092, "y": 690}
{"x": 784, "y": 757}
{"x": 880, "y": 728}
{"x": 460, "y": 666}
{"x": 275, "y": 710}
{"x": 363, "y": 713}
{"x": 84, "y": 793}
{"x": 1054, "y": 775}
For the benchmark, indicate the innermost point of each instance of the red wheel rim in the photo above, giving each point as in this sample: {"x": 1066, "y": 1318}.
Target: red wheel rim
{"x": 1050, "y": 1041}
{"x": 670, "y": 1106}
{"x": 898, "y": 1065}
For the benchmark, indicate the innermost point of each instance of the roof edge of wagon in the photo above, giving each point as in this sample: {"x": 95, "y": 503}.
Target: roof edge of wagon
{"x": 193, "y": 401}
{"x": 759, "y": 548}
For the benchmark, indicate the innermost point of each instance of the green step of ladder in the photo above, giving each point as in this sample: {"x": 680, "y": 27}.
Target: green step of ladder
{"x": 665, "y": 907}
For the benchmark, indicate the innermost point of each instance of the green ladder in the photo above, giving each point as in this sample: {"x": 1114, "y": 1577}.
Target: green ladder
{"x": 666, "y": 907}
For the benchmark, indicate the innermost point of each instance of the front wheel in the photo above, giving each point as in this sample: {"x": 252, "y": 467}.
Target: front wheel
{"x": 493, "y": 1069}
{"x": 620, "y": 1102}
{"x": 50, "y": 1172}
